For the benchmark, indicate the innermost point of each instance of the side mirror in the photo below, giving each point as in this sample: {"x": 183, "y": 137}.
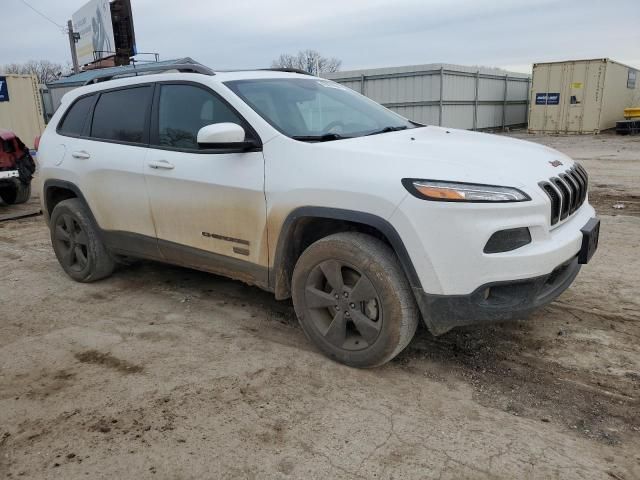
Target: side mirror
{"x": 224, "y": 136}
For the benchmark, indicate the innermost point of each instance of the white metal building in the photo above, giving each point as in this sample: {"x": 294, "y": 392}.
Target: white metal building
{"x": 581, "y": 96}
{"x": 448, "y": 95}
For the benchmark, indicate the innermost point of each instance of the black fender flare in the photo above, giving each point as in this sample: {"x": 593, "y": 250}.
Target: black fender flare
{"x": 63, "y": 184}
{"x": 277, "y": 274}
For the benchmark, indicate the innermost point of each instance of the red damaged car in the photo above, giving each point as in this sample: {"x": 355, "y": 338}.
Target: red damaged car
{"x": 16, "y": 169}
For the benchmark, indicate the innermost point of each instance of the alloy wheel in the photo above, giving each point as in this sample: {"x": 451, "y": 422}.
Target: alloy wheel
{"x": 72, "y": 243}
{"x": 343, "y": 305}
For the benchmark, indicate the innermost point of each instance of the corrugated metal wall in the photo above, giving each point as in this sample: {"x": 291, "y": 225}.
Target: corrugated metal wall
{"x": 448, "y": 95}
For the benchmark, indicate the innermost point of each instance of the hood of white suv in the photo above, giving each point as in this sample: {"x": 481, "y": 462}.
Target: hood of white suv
{"x": 457, "y": 155}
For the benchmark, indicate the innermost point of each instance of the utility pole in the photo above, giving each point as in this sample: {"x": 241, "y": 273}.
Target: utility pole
{"x": 73, "y": 38}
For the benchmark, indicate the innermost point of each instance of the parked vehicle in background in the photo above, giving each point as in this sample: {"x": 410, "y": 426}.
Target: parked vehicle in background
{"x": 310, "y": 190}
{"x": 16, "y": 169}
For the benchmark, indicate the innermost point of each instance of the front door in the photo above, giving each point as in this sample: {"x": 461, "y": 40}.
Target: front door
{"x": 208, "y": 207}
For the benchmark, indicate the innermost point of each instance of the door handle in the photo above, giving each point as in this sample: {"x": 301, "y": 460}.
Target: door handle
{"x": 161, "y": 164}
{"x": 81, "y": 154}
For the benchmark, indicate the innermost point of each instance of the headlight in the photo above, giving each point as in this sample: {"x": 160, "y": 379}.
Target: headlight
{"x": 462, "y": 192}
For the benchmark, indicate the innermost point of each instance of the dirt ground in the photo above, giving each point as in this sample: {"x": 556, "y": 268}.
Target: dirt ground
{"x": 163, "y": 372}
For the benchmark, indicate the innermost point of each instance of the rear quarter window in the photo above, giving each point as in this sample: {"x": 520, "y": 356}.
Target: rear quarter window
{"x": 121, "y": 115}
{"x": 74, "y": 120}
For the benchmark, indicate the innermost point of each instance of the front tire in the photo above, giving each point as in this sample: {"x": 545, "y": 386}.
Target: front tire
{"x": 15, "y": 192}
{"x": 353, "y": 300}
{"x": 77, "y": 244}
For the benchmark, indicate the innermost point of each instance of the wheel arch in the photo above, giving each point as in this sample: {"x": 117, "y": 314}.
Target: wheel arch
{"x": 305, "y": 225}
{"x": 55, "y": 191}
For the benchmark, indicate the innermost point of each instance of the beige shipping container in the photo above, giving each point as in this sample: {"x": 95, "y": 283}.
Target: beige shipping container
{"x": 22, "y": 113}
{"x": 581, "y": 96}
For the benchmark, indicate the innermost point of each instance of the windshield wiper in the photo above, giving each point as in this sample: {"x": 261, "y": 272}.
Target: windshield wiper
{"x": 326, "y": 137}
{"x": 387, "y": 129}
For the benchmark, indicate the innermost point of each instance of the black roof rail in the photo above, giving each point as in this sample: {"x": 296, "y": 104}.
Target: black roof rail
{"x": 287, "y": 70}
{"x": 150, "y": 69}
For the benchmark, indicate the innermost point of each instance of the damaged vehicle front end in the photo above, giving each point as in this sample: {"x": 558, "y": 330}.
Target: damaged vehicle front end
{"x": 16, "y": 169}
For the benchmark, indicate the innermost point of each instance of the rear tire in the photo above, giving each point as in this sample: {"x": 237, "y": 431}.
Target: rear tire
{"x": 353, "y": 299}
{"x": 15, "y": 192}
{"x": 77, "y": 244}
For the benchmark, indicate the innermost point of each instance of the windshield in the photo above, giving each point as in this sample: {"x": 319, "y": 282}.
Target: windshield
{"x": 314, "y": 109}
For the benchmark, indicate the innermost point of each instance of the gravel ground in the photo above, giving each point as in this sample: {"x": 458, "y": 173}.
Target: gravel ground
{"x": 163, "y": 372}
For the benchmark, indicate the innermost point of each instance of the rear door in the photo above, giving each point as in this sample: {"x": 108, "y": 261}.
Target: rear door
{"x": 208, "y": 206}
{"x": 111, "y": 156}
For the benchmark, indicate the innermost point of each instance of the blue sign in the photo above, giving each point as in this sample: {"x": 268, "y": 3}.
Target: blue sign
{"x": 547, "y": 98}
{"x": 4, "y": 90}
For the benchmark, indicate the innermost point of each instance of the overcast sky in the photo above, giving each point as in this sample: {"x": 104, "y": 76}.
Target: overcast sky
{"x": 225, "y": 34}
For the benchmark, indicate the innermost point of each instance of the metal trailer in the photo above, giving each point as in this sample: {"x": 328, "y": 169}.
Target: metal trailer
{"x": 442, "y": 94}
{"x": 581, "y": 96}
{"x": 22, "y": 111}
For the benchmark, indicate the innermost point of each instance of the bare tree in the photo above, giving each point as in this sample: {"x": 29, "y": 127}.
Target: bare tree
{"x": 308, "y": 60}
{"x": 44, "y": 70}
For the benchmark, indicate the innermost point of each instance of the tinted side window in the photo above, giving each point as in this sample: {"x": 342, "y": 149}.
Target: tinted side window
{"x": 73, "y": 122}
{"x": 121, "y": 115}
{"x": 185, "y": 109}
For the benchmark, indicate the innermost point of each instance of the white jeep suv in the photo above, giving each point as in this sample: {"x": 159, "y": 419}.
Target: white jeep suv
{"x": 307, "y": 189}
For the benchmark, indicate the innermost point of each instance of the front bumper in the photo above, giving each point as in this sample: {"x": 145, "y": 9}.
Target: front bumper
{"x": 445, "y": 242}
{"x": 9, "y": 174}
{"x": 497, "y": 301}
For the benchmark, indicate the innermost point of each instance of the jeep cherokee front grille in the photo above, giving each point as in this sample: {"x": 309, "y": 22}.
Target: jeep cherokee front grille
{"x": 567, "y": 192}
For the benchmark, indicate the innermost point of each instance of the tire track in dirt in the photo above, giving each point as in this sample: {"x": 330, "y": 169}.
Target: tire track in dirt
{"x": 503, "y": 365}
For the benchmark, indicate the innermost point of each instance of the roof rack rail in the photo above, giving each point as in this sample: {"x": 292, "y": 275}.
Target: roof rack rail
{"x": 288, "y": 70}
{"x": 150, "y": 69}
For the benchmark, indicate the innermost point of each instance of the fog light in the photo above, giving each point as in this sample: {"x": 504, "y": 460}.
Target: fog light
{"x": 507, "y": 240}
